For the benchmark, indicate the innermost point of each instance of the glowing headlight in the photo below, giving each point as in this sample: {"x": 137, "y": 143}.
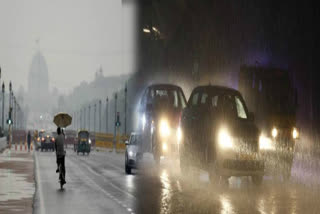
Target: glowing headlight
{"x": 295, "y": 133}
{"x": 179, "y": 134}
{"x": 89, "y": 141}
{"x": 164, "y": 147}
{"x": 274, "y": 132}
{"x": 265, "y": 143}
{"x": 164, "y": 128}
{"x": 224, "y": 139}
{"x": 143, "y": 120}
{"x": 130, "y": 153}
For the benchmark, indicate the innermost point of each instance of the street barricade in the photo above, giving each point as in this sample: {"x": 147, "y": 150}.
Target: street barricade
{"x": 104, "y": 140}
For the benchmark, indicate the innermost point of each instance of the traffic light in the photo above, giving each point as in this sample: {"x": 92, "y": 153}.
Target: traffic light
{"x": 9, "y": 121}
{"x": 118, "y": 120}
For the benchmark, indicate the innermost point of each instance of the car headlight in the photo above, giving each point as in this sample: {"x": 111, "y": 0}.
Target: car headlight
{"x": 265, "y": 143}
{"x": 143, "y": 120}
{"x": 89, "y": 141}
{"x": 224, "y": 139}
{"x": 274, "y": 132}
{"x": 164, "y": 128}
{"x": 179, "y": 134}
{"x": 164, "y": 147}
{"x": 295, "y": 133}
{"x": 131, "y": 154}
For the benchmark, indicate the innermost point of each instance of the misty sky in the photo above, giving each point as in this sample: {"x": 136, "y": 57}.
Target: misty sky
{"x": 76, "y": 37}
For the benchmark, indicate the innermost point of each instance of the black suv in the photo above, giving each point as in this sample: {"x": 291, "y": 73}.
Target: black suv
{"x": 219, "y": 135}
{"x": 160, "y": 112}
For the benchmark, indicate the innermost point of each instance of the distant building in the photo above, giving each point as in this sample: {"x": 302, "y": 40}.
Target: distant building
{"x": 38, "y": 93}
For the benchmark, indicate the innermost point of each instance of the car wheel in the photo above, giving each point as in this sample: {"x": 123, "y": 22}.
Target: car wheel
{"x": 257, "y": 179}
{"x": 127, "y": 168}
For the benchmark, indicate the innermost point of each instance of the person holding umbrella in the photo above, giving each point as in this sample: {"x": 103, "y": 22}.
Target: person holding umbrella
{"x": 61, "y": 120}
{"x": 60, "y": 153}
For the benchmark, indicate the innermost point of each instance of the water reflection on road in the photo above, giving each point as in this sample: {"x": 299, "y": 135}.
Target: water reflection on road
{"x": 195, "y": 194}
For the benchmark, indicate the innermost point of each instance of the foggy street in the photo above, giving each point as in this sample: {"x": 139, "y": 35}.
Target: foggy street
{"x": 98, "y": 184}
{"x": 159, "y": 107}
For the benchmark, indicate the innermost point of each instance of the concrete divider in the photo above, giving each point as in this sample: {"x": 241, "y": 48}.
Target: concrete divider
{"x": 3, "y": 143}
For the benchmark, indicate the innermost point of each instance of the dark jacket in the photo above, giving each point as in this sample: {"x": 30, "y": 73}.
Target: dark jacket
{"x": 60, "y": 145}
{"x": 29, "y": 138}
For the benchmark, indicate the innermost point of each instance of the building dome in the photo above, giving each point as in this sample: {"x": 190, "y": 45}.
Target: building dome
{"x": 38, "y": 81}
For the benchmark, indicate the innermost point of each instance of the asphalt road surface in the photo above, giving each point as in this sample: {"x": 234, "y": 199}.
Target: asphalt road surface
{"x": 98, "y": 184}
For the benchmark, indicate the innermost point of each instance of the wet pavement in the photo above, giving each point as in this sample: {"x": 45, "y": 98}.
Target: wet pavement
{"x": 17, "y": 185}
{"x": 98, "y": 184}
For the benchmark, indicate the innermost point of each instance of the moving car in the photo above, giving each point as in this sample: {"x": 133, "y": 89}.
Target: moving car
{"x": 275, "y": 101}
{"x": 83, "y": 144}
{"x": 47, "y": 142}
{"x": 219, "y": 135}
{"x": 160, "y": 111}
{"x": 133, "y": 154}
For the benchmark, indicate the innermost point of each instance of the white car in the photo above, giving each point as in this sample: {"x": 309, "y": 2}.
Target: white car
{"x": 133, "y": 153}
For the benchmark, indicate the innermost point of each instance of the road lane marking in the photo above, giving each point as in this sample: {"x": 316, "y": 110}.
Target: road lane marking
{"x": 100, "y": 188}
{"x": 38, "y": 185}
{"x": 87, "y": 166}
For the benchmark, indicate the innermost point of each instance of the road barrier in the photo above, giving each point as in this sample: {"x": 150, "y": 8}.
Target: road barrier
{"x": 3, "y": 143}
{"x": 106, "y": 140}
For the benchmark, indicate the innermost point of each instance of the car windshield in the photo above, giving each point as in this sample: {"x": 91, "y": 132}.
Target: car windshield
{"x": 234, "y": 107}
{"x": 168, "y": 97}
{"x": 135, "y": 139}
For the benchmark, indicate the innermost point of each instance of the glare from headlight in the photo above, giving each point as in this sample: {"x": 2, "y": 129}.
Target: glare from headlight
{"x": 224, "y": 139}
{"x": 295, "y": 133}
{"x": 143, "y": 120}
{"x": 164, "y": 128}
{"x": 164, "y": 147}
{"x": 179, "y": 134}
{"x": 89, "y": 141}
{"x": 274, "y": 132}
{"x": 130, "y": 153}
{"x": 265, "y": 143}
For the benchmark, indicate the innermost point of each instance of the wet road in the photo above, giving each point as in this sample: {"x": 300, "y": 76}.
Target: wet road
{"x": 98, "y": 184}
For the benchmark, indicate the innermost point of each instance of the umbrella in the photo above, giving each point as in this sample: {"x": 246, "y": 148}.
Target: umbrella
{"x": 62, "y": 120}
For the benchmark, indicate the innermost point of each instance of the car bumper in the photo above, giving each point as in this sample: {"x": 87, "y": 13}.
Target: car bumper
{"x": 230, "y": 167}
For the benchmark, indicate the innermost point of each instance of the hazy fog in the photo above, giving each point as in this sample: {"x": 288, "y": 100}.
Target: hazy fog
{"x": 76, "y": 37}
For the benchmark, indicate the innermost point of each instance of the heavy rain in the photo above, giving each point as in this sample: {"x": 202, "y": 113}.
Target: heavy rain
{"x": 148, "y": 106}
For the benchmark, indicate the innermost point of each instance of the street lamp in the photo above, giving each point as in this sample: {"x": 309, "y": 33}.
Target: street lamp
{"x": 3, "y": 90}
{"x": 89, "y": 116}
{"x": 100, "y": 116}
{"x": 125, "y": 109}
{"x": 115, "y": 115}
{"x": 107, "y": 113}
{"x": 94, "y": 118}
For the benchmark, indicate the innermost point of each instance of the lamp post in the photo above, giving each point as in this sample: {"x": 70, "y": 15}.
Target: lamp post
{"x": 10, "y": 112}
{"x": 115, "y": 116}
{"x": 125, "y": 109}
{"x": 107, "y": 112}
{"x": 94, "y": 118}
{"x": 100, "y": 116}
{"x": 3, "y": 90}
{"x": 89, "y": 116}
{"x": 85, "y": 119}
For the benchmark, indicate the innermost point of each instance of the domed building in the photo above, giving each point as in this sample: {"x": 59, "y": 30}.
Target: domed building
{"x": 38, "y": 82}
{"x": 38, "y": 93}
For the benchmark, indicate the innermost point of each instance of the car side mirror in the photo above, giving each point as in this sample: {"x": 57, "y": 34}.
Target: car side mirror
{"x": 126, "y": 142}
{"x": 251, "y": 116}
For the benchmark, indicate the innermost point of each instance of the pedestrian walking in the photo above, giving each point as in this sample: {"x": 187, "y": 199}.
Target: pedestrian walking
{"x": 29, "y": 140}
